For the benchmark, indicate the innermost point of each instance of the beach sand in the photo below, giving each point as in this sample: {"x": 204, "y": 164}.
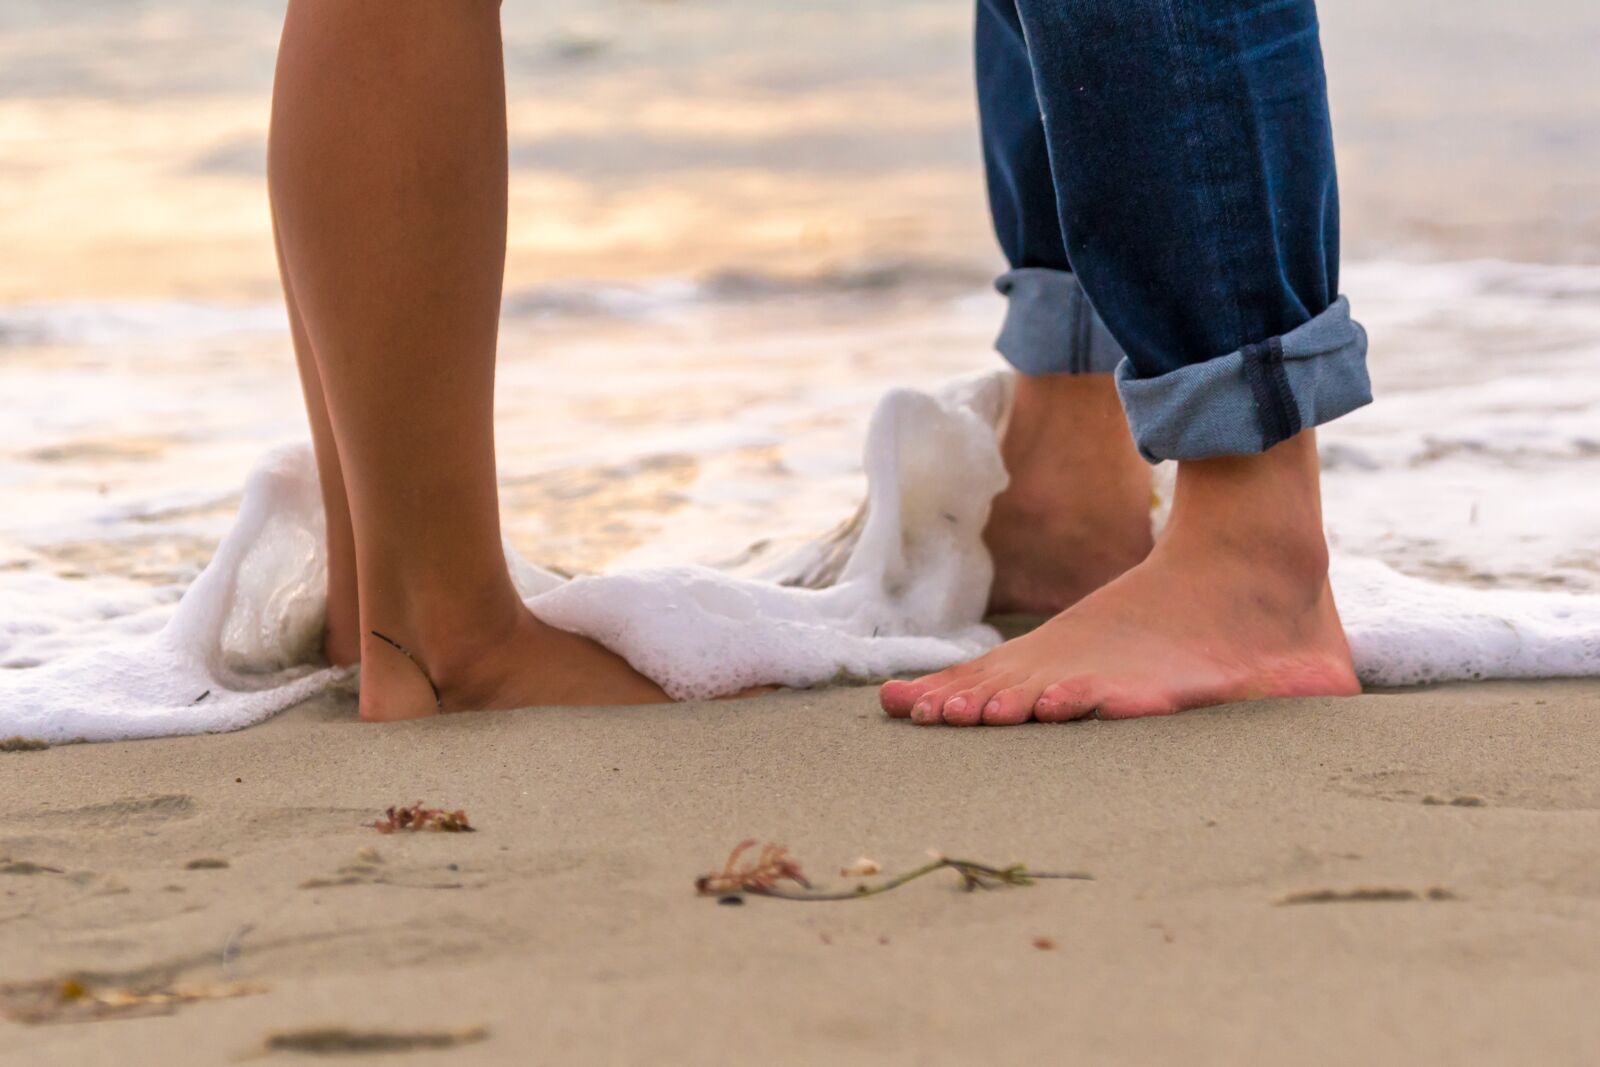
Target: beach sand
{"x": 568, "y": 929}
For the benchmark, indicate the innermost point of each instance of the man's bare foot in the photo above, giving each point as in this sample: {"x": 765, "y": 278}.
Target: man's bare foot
{"x": 1232, "y": 604}
{"x": 524, "y": 663}
{"x": 1076, "y": 513}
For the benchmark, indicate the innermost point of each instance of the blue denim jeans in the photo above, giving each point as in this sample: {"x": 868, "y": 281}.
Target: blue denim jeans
{"x": 1161, "y": 177}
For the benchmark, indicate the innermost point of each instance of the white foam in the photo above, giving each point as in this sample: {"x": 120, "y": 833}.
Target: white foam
{"x": 901, "y": 587}
{"x": 86, "y": 322}
{"x": 902, "y": 590}
{"x": 239, "y": 648}
{"x": 1405, "y": 631}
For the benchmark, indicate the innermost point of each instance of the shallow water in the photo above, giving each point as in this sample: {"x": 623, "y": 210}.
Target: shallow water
{"x": 684, "y": 425}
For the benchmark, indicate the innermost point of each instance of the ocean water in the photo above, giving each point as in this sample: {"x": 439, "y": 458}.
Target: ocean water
{"x": 733, "y": 229}
{"x": 687, "y": 423}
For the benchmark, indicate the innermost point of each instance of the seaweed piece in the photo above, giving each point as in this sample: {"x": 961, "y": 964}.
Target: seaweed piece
{"x": 761, "y": 875}
{"x": 774, "y": 865}
{"x": 22, "y": 744}
{"x": 334, "y": 1040}
{"x": 11, "y": 866}
{"x": 1366, "y": 895}
{"x": 416, "y": 817}
{"x": 81, "y": 999}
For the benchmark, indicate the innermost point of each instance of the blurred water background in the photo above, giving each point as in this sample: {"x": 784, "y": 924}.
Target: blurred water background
{"x": 734, "y": 225}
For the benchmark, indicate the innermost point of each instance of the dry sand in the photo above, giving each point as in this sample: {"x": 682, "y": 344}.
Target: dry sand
{"x": 568, "y": 927}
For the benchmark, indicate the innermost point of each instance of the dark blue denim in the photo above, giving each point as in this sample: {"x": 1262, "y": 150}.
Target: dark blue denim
{"x": 1161, "y": 177}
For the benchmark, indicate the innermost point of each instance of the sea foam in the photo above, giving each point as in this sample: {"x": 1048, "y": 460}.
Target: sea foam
{"x": 900, "y": 587}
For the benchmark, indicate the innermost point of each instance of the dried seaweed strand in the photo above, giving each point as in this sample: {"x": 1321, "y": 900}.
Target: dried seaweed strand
{"x": 771, "y": 866}
{"x": 973, "y": 876}
{"x": 774, "y": 865}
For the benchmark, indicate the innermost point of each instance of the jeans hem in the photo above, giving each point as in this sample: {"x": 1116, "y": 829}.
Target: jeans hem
{"x": 1050, "y": 326}
{"x": 1253, "y": 398}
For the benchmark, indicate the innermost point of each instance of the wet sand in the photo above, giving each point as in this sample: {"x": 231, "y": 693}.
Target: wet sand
{"x": 568, "y": 929}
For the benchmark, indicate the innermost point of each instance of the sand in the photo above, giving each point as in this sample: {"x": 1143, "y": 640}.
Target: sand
{"x": 567, "y": 927}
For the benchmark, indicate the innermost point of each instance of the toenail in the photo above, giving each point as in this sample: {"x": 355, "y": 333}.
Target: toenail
{"x": 956, "y": 706}
{"x": 920, "y": 712}
{"x": 992, "y": 708}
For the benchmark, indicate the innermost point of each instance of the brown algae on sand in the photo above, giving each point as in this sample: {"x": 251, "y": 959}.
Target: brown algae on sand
{"x": 416, "y": 817}
{"x": 83, "y": 999}
{"x": 1366, "y": 895}
{"x": 22, "y": 744}
{"x": 341, "y": 1040}
{"x": 772, "y": 865}
{"x": 11, "y": 866}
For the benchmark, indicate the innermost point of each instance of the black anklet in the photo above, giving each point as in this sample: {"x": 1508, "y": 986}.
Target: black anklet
{"x": 398, "y": 647}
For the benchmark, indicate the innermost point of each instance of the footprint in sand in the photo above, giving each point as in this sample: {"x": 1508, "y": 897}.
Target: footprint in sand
{"x": 306, "y": 821}
{"x": 141, "y": 812}
{"x": 1487, "y": 788}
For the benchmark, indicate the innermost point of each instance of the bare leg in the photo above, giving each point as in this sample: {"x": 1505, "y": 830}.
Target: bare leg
{"x": 342, "y": 639}
{"x": 1232, "y": 604}
{"x": 388, "y": 178}
{"x": 1076, "y": 513}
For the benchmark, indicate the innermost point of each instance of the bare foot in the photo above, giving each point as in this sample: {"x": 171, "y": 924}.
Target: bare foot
{"x": 1232, "y": 604}
{"x": 1076, "y": 513}
{"x": 524, "y": 664}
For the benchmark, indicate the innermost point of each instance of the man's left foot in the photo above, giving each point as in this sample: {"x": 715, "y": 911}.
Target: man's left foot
{"x": 1233, "y": 604}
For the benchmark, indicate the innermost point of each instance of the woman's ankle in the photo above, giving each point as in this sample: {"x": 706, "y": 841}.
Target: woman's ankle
{"x": 445, "y": 632}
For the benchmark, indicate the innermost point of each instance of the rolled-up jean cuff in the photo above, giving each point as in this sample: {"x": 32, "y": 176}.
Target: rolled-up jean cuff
{"x": 1249, "y": 400}
{"x": 1050, "y": 327}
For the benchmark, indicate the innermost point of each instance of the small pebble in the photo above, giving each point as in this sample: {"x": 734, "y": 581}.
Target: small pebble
{"x": 206, "y": 863}
{"x": 1044, "y": 944}
{"x": 733, "y": 900}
